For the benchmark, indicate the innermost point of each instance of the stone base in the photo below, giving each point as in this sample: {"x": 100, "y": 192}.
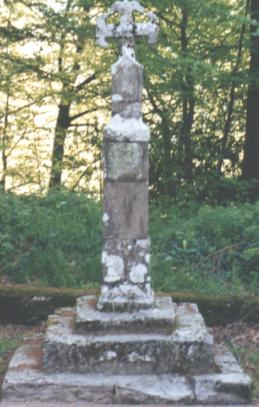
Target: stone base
{"x": 25, "y": 381}
{"x": 185, "y": 348}
{"x": 125, "y": 298}
{"x": 159, "y": 356}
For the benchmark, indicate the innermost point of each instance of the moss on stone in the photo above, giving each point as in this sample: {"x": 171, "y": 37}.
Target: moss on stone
{"x": 29, "y": 305}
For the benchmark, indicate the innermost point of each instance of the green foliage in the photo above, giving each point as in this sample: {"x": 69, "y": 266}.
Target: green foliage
{"x": 210, "y": 249}
{"x": 196, "y": 81}
{"x": 56, "y": 241}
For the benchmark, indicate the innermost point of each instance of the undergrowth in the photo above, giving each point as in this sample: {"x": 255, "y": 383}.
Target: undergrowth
{"x": 56, "y": 241}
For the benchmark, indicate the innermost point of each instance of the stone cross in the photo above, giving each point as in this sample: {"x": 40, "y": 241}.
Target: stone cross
{"x": 126, "y": 245}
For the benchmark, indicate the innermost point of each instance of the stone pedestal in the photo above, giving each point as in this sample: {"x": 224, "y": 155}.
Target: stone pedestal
{"x": 162, "y": 355}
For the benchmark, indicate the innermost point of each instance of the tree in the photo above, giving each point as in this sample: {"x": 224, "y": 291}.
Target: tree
{"x": 57, "y": 97}
{"x": 251, "y": 146}
{"x": 14, "y": 74}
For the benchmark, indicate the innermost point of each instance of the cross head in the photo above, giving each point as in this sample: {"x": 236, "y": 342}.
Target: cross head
{"x": 127, "y": 29}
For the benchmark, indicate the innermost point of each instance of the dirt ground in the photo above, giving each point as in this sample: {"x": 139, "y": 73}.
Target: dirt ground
{"x": 241, "y": 339}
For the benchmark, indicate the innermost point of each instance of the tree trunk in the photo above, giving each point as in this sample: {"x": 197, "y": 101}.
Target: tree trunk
{"x": 167, "y": 186}
{"x": 251, "y": 147}
{"x": 188, "y": 105}
{"x": 63, "y": 120}
{"x": 4, "y": 142}
{"x": 232, "y": 95}
{"x": 63, "y": 123}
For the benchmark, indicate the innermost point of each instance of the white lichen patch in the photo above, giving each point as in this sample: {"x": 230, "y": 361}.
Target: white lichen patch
{"x": 143, "y": 243}
{"x": 138, "y": 274}
{"x": 117, "y": 98}
{"x": 121, "y": 129}
{"x": 147, "y": 258}
{"x": 127, "y": 293}
{"x": 106, "y": 218}
{"x": 114, "y": 266}
{"x": 108, "y": 356}
{"x": 137, "y": 357}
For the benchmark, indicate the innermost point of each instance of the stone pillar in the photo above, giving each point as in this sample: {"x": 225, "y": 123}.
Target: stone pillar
{"x": 126, "y": 244}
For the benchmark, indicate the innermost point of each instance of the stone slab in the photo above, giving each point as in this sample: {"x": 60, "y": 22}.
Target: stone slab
{"x": 126, "y": 161}
{"x": 25, "y": 381}
{"x": 223, "y": 388}
{"x": 159, "y": 319}
{"x": 186, "y": 350}
{"x": 225, "y": 360}
{"x": 126, "y": 210}
{"x": 126, "y": 297}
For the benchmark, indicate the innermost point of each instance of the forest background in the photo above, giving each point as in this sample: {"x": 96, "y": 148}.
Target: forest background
{"x": 201, "y": 102}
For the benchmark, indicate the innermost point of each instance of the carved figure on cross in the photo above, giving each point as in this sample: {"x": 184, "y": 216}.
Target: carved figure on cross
{"x": 127, "y": 29}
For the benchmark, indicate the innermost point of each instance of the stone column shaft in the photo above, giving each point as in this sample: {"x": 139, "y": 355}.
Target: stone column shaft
{"x": 126, "y": 245}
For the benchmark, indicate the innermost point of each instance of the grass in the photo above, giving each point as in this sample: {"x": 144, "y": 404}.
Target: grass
{"x": 8, "y": 345}
{"x": 56, "y": 241}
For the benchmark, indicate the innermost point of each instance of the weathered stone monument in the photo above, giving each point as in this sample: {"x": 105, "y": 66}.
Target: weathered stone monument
{"x": 126, "y": 283}
{"x": 126, "y": 346}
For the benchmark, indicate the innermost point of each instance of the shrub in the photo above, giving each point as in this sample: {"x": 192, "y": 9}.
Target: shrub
{"x": 53, "y": 240}
{"x": 56, "y": 241}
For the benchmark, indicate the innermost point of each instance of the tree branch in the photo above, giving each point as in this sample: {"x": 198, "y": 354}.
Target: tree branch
{"x": 86, "y": 82}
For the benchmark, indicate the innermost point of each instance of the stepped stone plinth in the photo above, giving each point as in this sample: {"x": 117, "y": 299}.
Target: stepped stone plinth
{"x": 161, "y": 344}
{"x": 92, "y": 356}
{"x": 126, "y": 346}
